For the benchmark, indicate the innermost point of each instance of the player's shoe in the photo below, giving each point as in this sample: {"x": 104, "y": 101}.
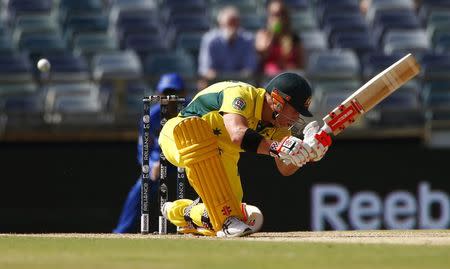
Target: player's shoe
{"x": 233, "y": 227}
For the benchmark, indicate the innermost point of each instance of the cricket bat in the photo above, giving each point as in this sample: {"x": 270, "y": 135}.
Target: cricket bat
{"x": 368, "y": 96}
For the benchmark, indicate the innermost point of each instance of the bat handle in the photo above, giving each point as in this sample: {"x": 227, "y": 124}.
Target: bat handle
{"x": 326, "y": 128}
{"x": 323, "y": 136}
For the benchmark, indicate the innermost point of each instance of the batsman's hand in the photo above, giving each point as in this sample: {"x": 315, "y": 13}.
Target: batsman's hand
{"x": 290, "y": 150}
{"x": 316, "y": 148}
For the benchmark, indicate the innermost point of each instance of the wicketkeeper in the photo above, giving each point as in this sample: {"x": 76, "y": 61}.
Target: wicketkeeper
{"x": 220, "y": 122}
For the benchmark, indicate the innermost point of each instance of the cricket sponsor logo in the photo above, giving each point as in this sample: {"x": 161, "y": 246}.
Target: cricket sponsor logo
{"x": 146, "y": 142}
{"x": 226, "y": 210}
{"x": 144, "y": 193}
{"x": 239, "y": 103}
{"x": 342, "y": 118}
{"x": 334, "y": 207}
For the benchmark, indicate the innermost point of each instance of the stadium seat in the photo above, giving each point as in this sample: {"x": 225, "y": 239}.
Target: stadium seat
{"x": 15, "y": 68}
{"x": 303, "y": 20}
{"x": 35, "y": 26}
{"x": 185, "y": 3}
{"x": 122, "y": 65}
{"x": 394, "y": 20}
{"x": 93, "y": 43}
{"x": 359, "y": 42}
{"x": 331, "y": 99}
{"x": 336, "y": 85}
{"x": 145, "y": 44}
{"x": 120, "y": 14}
{"x": 85, "y": 24}
{"x": 437, "y": 30}
{"x": 374, "y": 63}
{"x": 313, "y": 40}
{"x": 77, "y": 104}
{"x": 36, "y": 21}
{"x": 244, "y": 7}
{"x": 176, "y": 8}
{"x": 325, "y": 8}
{"x": 22, "y": 97}
{"x": 135, "y": 92}
{"x": 190, "y": 23}
{"x": 6, "y": 45}
{"x": 429, "y": 6}
{"x": 135, "y": 4}
{"x": 296, "y": 5}
{"x": 333, "y": 64}
{"x": 442, "y": 44}
{"x": 179, "y": 62}
{"x": 72, "y": 103}
{"x": 69, "y": 8}
{"x": 380, "y": 6}
{"x": 406, "y": 98}
{"x": 404, "y": 41}
{"x": 436, "y": 95}
{"x": 252, "y": 22}
{"x": 130, "y": 20}
{"x": 20, "y": 7}
{"x": 328, "y": 94}
{"x": 11, "y": 89}
{"x": 66, "y": 67}
{"x": 37, "y": 44}
{"x": 138, "y": 28}
{"x": 343, "y": 24}
{"x": 435, "y": 66}
{"x": 189, "y": 42}
{"x": 438, "y": 17}
{"x": 28, "y": 103}
{"x": 117, "y": 68}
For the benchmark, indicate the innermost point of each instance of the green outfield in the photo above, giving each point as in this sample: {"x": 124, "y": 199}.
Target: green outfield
{"x": 109, "y": 252}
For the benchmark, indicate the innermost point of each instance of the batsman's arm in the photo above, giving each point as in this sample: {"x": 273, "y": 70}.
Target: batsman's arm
{"x": 237, "y": 126}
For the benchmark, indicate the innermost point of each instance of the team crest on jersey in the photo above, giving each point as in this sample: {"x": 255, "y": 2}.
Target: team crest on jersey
{"x": 239, "y": 103}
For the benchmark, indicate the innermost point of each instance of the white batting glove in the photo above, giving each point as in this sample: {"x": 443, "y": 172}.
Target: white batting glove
{"x": 316, "y": 148}
{"x": 290, "y": 150}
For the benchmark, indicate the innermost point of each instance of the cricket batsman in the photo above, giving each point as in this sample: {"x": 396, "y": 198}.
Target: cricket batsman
{"x": 223, "y": 120}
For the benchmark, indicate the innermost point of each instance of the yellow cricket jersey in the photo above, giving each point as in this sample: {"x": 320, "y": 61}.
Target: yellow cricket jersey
{"x": 210, "y": 104}
{"x": 232, "y": 97}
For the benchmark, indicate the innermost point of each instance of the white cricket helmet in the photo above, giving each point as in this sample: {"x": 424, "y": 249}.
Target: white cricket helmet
{"x": 253, "y": 217}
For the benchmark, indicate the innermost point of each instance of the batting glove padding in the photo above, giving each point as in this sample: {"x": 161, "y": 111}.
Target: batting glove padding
{"x": 291, "y": 150}
{"x": 317, "y": 148}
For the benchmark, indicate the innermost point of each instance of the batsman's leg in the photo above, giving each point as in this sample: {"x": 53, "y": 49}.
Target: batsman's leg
{"x": 199, "y": 151}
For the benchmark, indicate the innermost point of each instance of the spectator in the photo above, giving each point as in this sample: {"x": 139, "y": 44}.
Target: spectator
{"x": 169, "y": 84}
{"x": 227, "y": 50}
{"x": 279, "y": 47}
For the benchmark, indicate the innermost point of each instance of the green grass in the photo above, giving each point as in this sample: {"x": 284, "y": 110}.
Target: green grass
{"x": 110, "y": 253}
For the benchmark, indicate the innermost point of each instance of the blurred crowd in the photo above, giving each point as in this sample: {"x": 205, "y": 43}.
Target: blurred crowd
{"x": 106, "y": 54}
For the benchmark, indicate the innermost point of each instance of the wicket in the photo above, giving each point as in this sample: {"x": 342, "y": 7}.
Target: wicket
{"x": 163, "y": 192}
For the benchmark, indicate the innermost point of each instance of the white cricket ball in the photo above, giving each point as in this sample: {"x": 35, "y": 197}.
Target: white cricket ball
{"x": 43, "y": 65}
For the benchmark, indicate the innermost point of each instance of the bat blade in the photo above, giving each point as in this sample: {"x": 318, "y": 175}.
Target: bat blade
{"x": 371, "y": 93}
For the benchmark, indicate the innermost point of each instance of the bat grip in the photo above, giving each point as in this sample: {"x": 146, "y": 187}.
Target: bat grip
{"x": 323, "y": 137}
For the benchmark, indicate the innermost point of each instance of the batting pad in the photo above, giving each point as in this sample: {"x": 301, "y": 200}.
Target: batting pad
{"x": 199, "y": 151}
